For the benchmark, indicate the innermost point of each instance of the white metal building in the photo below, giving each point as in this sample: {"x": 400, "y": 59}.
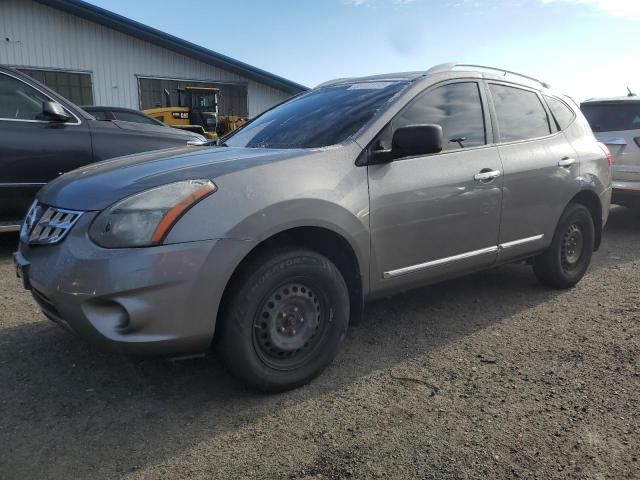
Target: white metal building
{"x": 94, "y": 56}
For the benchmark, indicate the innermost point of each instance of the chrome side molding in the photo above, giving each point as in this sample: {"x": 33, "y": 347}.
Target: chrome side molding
{"x": 439, "y": 261}
{"x": 461, "y": 256}
{"x": 522, "y": 241}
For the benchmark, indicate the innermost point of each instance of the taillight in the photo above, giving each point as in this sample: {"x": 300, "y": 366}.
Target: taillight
{"x": 608, "y": 153}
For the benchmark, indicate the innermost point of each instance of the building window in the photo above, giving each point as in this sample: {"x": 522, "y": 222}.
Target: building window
{"x": 233, "y": 98}
{"x": 75, "y": 87}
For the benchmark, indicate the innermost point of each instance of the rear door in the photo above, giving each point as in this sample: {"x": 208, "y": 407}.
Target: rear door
{"x": 33, "y": 151}
{"x": 541, "y": 169}
{"x": 430, "y": 218}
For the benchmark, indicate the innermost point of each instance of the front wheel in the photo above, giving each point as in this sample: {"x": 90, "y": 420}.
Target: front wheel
{"x": 566, "y": 260}
{"x": 284, "y": 320}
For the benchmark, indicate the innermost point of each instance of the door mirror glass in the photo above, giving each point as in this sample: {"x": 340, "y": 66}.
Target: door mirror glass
{"x": 415, "y": 140}
{"x": 54, "y": 112}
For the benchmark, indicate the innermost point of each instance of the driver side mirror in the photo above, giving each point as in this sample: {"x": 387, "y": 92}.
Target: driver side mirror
{"x": 417, "y": 140}
{"x": 54, "y": 112}
{"x": 410, "y": 141}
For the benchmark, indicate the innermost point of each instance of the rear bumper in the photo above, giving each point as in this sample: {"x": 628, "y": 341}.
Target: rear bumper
{"x": 146, "y": 301}
{"x": 626, "y": 193}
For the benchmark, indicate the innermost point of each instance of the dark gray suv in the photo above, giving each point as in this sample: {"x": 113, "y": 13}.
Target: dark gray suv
{"x": 267, "y": 245}
{"x": 43, "y": 135}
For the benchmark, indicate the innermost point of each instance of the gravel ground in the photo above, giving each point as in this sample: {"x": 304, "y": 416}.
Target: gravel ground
{"x": 490, "y": 376}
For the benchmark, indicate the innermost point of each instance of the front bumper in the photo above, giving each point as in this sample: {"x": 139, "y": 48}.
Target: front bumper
{"x": 160, "y": 300}
{"x": 626, "y": 193}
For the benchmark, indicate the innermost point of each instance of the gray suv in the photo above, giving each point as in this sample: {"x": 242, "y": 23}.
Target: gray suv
{"x": 267, "y": 245}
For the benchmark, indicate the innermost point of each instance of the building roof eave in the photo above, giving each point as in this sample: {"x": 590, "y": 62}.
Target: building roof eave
{"x": 138, "y": 30}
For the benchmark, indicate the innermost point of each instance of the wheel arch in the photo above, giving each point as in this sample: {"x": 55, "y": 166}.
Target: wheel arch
{"x": 323, "y": 240}
{"x": 591, "y": 201}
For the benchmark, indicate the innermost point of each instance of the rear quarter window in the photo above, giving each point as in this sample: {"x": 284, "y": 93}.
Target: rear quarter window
{"x": 562, "y": 114}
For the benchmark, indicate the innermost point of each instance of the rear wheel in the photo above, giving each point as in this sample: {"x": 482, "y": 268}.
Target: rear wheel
{"x": 284, "y": 321}
{"x": 566, "y": 260}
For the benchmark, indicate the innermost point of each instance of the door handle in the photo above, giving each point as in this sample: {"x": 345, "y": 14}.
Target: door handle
{"x": 566, "y": 162}
{"x": 486, "y": 175}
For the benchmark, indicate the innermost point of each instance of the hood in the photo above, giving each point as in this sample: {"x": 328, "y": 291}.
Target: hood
{"x": 96, "y": 186}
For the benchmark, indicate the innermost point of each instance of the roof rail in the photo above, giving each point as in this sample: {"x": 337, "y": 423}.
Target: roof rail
{"x": 335, "y": 81}
{"x": 447, "y": 67}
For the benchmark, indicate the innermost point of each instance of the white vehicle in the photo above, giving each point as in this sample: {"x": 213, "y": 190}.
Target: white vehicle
{"x": 616, "y": 123}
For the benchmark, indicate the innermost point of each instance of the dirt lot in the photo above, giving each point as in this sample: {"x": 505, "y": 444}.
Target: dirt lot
{"x": 491, "y": 376}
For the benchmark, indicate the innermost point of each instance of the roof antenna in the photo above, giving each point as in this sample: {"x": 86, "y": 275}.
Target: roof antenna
{"x": 630, "y": 94}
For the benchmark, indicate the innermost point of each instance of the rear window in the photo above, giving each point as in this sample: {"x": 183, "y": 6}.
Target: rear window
{"x": 520, "y": 113}
{"x": 100, "y": 114}
{"x": 609, "y": 117}
{"x": 134, "y": 117}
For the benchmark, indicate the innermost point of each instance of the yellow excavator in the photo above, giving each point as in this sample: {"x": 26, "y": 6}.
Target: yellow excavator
{"x": 197, "y": 111}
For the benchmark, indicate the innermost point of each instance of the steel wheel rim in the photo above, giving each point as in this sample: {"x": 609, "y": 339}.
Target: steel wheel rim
{"x": 572, "y": 247}
{"x": 289, "y": 326}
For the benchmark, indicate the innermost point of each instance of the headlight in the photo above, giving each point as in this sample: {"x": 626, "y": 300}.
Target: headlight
{"x": 146, "y": 218}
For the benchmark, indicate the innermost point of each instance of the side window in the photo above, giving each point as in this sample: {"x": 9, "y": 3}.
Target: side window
{"x": 133, "y": 117}
{"x": 563, "y": 114}
{"x": 520, "y": 113}
{"x": 19, "y": 101}
{"x": 456, "y": 107}
{"x": 100, "y": 115}
{"x": 73, "y": 86}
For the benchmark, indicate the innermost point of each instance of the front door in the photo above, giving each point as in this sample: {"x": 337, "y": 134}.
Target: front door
{"x": 434, "y": 216}
{"x": 33, "y": 151}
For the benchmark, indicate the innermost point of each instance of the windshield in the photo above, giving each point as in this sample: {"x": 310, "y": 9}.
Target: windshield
{"x": 204, "y": 102}
{"x": 322, "y": 117}
{"x": 611, "y": 117}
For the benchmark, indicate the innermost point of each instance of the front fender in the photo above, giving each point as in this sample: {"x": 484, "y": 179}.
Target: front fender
{"x": 324, "y": 190}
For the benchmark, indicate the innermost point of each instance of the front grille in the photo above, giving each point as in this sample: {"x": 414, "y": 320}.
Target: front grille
{"x": 46, "y": 225}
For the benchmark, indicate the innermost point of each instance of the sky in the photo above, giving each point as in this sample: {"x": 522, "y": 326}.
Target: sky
{"x": 583, "y": 48}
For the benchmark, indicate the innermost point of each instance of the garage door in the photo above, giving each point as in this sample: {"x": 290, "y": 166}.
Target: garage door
{"x": 233, "y": 98}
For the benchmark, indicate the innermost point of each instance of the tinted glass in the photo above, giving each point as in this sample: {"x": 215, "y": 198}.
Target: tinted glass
{"x": 100, "y": 114}
{"x": 609, "y": 117}
{"x": 134, "y": 117}
{"x": 457, "y": 108}
{"x": 320, "y": 118}
{"x": 563, "y": 114}
{"x": 19, "y": 101}
{"x": 520, "y": 113}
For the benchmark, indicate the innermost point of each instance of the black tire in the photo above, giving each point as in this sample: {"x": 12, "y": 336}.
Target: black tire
{"x": 567, "y": 259}
{"x": 263, "y": 336}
